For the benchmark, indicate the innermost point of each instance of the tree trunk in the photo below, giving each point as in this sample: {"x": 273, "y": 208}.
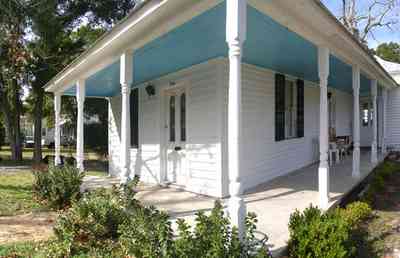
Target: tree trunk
{"x": 37, "y": 155}
{"x": 17, "y": 125}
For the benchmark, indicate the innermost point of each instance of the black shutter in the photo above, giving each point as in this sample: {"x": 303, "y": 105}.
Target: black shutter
{"x": 279, "y": 107}
{"x": 134, "y": 109}
{"x": 300, "y": 108}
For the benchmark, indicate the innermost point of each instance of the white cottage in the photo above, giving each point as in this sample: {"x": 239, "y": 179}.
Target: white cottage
{"x": 216, "y": 97}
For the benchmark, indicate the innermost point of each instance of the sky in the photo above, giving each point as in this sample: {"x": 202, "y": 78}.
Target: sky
{"x": 382, "y": 35}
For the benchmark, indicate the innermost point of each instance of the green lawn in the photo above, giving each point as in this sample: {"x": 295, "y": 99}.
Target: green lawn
{"x": 24, "y": 249}
{"x": 16, "y": 193}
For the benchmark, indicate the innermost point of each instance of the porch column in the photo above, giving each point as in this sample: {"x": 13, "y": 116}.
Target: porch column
{"x": 384, "y": 99}
{"x": 356, "y": 122}
{"x": 235, "y": 36}
{"x": 126, "y": 78}
{"x": 374, "y": 145}
{"x": 323, "y": 169}
{"x": 57, "y": 136}
{"x": 80, "y": 99}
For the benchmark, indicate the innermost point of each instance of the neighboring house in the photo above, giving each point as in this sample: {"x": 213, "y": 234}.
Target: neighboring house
{"x": 217, "y": 97}
{"x": 393, "y": 109}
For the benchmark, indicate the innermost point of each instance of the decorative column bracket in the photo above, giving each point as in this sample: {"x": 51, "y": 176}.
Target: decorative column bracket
{"x": 323, "y": 169}
{"x": 356, "y": 122}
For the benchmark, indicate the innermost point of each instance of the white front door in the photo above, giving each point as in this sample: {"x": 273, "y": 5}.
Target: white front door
{"x": 175, "y": 136}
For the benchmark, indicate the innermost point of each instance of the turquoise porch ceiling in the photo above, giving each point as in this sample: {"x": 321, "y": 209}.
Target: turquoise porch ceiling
{"x": 269, "y": 45}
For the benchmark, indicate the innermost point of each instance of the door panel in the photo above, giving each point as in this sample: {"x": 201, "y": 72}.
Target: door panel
{"x": 176, "y": 137}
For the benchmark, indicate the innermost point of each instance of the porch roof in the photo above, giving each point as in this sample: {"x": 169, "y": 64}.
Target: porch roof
{"x": 269, "y": 44}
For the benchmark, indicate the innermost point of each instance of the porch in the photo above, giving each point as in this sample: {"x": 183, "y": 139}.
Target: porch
{"x": 273, "y": 202}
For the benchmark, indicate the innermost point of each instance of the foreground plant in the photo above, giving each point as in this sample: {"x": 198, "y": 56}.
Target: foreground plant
{"x": 58, "y": 186}
{"x": 331, "y": 234}
{"x": 112, "y": 223}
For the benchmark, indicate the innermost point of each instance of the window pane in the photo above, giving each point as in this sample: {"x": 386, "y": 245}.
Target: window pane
{"x": 183, "y": 117}
{"x": 172, "y": 119}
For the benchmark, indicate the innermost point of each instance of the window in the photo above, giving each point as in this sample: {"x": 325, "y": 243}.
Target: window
{"x": 134, "y": 110}
{"x": 289, "y": 108}
{"x": 172, "y": 119}
{"x": 183, "y": 117}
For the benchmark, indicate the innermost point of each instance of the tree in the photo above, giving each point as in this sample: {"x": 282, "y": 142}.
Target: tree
{"x": 59, "y": 38}
{"x": 14, "y": 62}
{"x": 389, "y": 51}
{"x": 363, "y": 17}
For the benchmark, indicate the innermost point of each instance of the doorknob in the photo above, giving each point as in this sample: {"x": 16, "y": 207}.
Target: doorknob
{"x": 177, "y": 148}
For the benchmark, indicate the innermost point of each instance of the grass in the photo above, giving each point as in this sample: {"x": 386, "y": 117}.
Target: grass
{"x": 27, "y": 155}
{"x": 381, "y": 234}
{"x": 16, "y": 193}
{"x": 25, "y": 249}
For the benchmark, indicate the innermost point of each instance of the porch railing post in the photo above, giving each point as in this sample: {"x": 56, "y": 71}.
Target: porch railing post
{"x": 235, "y": 36}
{"x": 80, "y": 99}
{"x": 374, "y": 145}
{"x": 356, "y": 122}
{"x": 57, "y": 132}
{"x": 323, "y": 169}
{"x": 126, "y": 79}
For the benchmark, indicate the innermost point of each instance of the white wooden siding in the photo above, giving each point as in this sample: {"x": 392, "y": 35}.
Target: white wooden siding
{"x": 261, "y": 157}
{"x": 393, "y": 119}
{"x": 203, "y": 143}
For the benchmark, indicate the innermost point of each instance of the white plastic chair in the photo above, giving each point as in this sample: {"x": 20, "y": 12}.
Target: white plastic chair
{"x": 333, "y": 150}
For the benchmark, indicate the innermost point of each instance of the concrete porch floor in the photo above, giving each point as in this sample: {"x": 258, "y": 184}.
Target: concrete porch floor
{"x": 273, "y": 202}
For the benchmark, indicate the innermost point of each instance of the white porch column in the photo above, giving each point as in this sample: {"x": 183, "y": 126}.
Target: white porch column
{"x": 126, "y": 79}
{"x": 235, "y": 36}
{"x": 384, "y": 99}
{"x": 323, "y": 169}
{"x": 356, "y": 122}
{"x": 57, "y": 132}
{"x": 80, "y": 99}
{"x": 374, "y": 145}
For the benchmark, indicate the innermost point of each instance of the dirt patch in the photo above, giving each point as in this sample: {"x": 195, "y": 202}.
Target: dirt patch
{"x": 27, "y": 227}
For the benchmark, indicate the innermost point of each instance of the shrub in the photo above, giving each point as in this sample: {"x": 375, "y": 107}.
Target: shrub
{"x": 314, "y": 234}
{"x": 57, "y": 187}
{"x": 355, "y": 213}
{"x": 147, "y": 233}
{"x": 213, "y": 236}
{"x": 92, "y": 223}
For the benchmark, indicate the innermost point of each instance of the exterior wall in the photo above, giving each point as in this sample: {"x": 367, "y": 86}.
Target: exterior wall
{"x": 393, "y": 119}
{"x": 262, "y": 157}
{"x": 203, "y": 145}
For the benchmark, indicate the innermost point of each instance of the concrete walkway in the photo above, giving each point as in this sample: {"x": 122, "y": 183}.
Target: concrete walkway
{"x": 273, "y": 202}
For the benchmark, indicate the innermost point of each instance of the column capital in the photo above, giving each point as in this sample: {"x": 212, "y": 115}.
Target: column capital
{"x": 125, "y": 89}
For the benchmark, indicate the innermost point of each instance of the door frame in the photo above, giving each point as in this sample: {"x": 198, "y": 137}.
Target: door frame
{"x": 167, "y": 90}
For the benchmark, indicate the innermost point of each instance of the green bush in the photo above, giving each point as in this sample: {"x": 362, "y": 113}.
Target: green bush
{"x": 112, "y": 223}
{"x": 147, "y": 233}
{"x": 92, "y": 224}
{"x": 317, "y": 234}
{"x": 57, "y": 187}
{"x": 213, "y": 236}
{"x": 355, "y": 213}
